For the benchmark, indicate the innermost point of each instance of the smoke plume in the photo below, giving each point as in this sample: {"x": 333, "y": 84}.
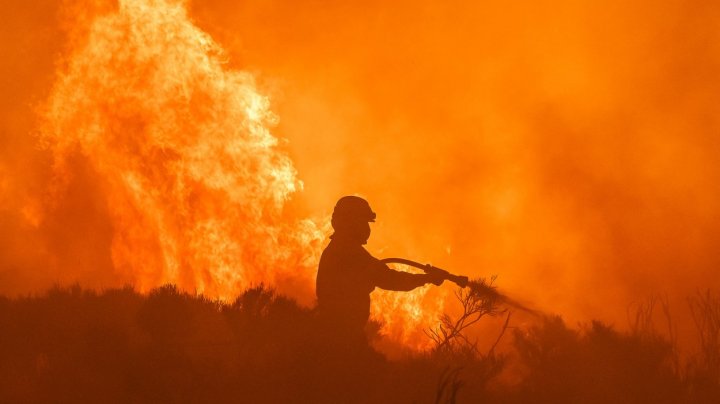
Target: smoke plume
{"x": 568, "y": 147}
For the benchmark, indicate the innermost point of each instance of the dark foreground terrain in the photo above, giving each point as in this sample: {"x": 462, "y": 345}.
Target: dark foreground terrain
{"x": 119, "y": 346}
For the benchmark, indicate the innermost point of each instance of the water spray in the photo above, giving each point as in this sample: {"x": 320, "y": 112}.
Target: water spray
{"x": 479, "y": 286}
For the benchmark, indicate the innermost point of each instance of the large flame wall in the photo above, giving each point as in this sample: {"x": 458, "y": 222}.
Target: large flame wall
{"x": 193, "y": 180}
{"x": 568, "y": 147}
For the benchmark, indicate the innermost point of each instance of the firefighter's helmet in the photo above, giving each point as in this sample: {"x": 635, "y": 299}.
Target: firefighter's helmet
{"x": 352, "y": 209}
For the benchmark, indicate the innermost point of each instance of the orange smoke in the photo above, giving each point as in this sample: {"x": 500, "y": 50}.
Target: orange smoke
{"x": 568, "y": 147}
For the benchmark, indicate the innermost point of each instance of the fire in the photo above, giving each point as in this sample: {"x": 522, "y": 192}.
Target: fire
{"x": 572, "y": 154}
{"x": 406, "y": 316}
{"x": 194, "y": 181}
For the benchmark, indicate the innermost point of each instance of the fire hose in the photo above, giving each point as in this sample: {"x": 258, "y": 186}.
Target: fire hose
{"x": 461, "y": 281}
{"x": 477, "y": 286}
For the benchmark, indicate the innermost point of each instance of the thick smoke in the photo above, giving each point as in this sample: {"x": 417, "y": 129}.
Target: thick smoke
{"x": 568, "y": 147}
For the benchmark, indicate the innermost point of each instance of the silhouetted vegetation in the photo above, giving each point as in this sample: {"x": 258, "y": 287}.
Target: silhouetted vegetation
{"x": 73, "y": 345}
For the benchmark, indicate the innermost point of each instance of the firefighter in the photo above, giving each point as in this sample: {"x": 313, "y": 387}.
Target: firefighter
{"x": 348, "y": 273}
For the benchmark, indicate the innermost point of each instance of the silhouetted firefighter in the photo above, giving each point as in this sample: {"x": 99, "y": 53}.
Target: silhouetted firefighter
{"x": 348, "y": 273}
{"x": 346, "y": 276}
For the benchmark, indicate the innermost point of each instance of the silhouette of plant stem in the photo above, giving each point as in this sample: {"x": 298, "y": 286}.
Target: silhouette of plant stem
{"x": 705, "y": 309}
{"x": 448, "y": 386}
{"x": 491, "y": 351}
{"x": 476, "y": 302}
{"x": 642, "y": 325}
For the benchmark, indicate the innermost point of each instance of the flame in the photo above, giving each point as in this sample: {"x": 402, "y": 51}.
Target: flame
{"x": 194, "y": 180}
{"x": 406, "y": 316}
{"x": 579, "y": 167}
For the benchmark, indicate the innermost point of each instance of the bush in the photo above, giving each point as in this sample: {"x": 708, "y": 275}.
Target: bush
{"x": 72, "y": 345}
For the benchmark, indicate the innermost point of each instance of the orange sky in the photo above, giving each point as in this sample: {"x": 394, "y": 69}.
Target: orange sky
{"x": 569, "y": 148}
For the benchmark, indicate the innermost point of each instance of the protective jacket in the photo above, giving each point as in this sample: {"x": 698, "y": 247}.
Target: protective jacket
{"x": 346, "y": 276}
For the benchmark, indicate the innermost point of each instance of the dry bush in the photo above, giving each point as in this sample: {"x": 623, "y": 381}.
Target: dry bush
{"x": 595, "y": 364}
{"x": 703, "y": 370}
{"x": 480, "y": 299}
{"x": 117, "y": 346}
{"x": 454, "y": 349}
{"x": 642, "y": 320}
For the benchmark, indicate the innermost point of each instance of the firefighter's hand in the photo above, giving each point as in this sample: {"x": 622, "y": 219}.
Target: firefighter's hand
{"x": 434, "y": 278}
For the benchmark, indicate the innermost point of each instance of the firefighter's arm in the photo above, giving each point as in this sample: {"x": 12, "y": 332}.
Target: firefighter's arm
{"x": 389, "y": 279}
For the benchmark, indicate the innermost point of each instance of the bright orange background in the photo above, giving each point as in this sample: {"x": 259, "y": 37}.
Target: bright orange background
{"x": 569, "y": 147}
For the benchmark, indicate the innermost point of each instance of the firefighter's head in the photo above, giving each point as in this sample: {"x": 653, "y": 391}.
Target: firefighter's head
{"x": 351, "y": 219}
